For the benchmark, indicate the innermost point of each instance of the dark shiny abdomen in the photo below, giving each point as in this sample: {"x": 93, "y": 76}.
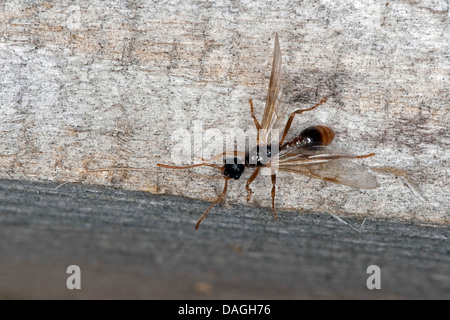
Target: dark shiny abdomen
{"x": 312, "y": 136}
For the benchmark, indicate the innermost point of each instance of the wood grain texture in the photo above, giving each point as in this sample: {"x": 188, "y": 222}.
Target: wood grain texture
{"x": 135, "y": 245}
{"x": 107, "y": 84}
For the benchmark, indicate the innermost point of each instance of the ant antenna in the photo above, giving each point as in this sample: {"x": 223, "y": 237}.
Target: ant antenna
{"x": 188, "y": 167}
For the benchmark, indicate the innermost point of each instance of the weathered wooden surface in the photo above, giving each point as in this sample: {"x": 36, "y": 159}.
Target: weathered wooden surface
{"x": 137, "y": 245}
{"x": 104, "y": 84}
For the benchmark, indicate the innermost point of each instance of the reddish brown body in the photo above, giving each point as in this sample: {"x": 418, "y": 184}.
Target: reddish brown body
{"x": 310, "y": 137}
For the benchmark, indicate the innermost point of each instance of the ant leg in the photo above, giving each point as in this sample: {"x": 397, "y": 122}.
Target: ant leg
{"x": 224, "y": 192}
{"x": 291, "y": 118}
{"x": 250, "y": 180}
{"x": 274, "y": 181}
{"x": 257, "y": 125}
{"x": 365, "y": 156}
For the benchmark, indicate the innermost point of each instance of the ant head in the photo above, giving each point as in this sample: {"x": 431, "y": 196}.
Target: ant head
{"x": 233, "y": 169}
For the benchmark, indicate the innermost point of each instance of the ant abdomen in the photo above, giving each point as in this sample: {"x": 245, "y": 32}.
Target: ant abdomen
{"x": 311, "y": 137}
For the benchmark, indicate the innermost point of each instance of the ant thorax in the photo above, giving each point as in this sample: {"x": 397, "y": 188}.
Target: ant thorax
{"x": 259, "y": 156}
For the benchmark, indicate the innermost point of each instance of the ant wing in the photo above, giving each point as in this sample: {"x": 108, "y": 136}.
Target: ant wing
{"x": 272, "y": 102}
{"x": 329, "y": 167}
{"x": 278, "y": 96}
{"x": 302, "y": 152}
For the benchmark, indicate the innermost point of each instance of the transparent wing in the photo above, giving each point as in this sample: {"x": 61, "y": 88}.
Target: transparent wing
{"x": 272, "y": 102}
{"x": 282, "y": 107}
{"x": 334, "y": 168}
{"x": 302, "y": 152}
